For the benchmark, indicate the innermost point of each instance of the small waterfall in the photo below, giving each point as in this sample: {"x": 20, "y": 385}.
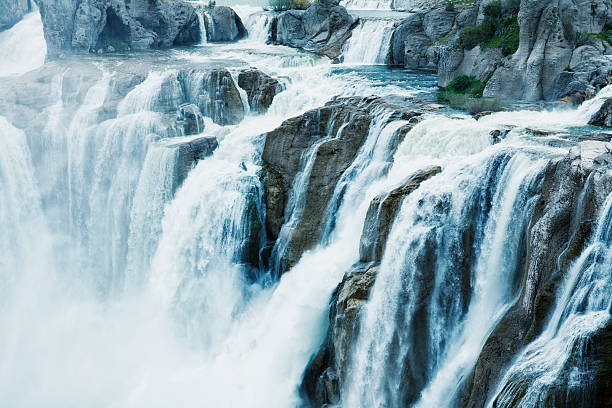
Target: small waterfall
{"x": 23, "y": 47}
{"x": 201, "y": 17}
{"x": 370, "y": 43}
{"x": 367, "y": 4}
{"x": 583, "y": 306}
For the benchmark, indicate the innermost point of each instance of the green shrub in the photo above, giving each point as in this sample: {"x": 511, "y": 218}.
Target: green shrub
{"x": 493, "y": 10}
{"x": 300, "y": 4}
{"x": 465, "y": 92}
{"x": 506, "y": 36}
{"x": 493, "y": 32}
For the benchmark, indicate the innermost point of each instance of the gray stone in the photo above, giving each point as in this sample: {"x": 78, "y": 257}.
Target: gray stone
{"x": 260, "y": 88}
{"x": 94, "y": 25}
{"x": 603, "y": 117}
{"x": 319, "y": 28}
{"x": 223, "y": 24}
{"x": 190, "y": 117}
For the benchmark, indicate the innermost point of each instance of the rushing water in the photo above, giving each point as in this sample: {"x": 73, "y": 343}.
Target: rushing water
{"x": 123, "y": 285}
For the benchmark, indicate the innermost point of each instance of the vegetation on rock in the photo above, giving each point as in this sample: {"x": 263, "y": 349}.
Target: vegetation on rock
{"x": 495, "y": 31}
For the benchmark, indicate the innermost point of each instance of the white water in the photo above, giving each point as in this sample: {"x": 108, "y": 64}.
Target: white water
{"x": 22, "y": 47}
{"x": 367, "y": 4}
{"x": 369, "y": 43}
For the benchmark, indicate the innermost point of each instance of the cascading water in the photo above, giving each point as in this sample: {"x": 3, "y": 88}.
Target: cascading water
{"x": 583, "y": 307}
{"x": 367, "y": 4}
{"x": 359, "y": 48}
{"x": 22, "y": 47}
{"x": 129, "y": 277}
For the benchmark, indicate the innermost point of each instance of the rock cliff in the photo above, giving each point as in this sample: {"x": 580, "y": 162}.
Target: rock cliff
{"x": 116, "y": 25}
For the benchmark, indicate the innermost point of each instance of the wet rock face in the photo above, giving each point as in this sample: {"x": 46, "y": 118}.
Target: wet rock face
{"x": 189, "y": 153}
{"x": 321, "y": 28}
{"x": 336, "y": 131}
{"x": 573, "y": 190}
{"x": 223, "y": 24}
{"x": 603, "y": 117}
{"x": 190, "y": 117}
{"x": 260, "y": 88}
{"x": 381, "y": 214}
{"x": 116, "y": 25}
{"x": 11, "y": 11}
{"x": 324, "y": 375}
{"x": 282, "y": 156}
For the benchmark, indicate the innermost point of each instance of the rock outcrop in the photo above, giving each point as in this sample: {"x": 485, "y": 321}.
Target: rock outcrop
{"x": 532, "y": 49}
{"x": 11, "y": 11}
{"x": 116, "y": 25}
{"x": 206, "y": 90}
{"x": 324, "y": 374}
{"x": 260, "y": 89}
{"x": 223, "y": 24}
{"x": 322, "y": 28}
{"x": 189, "y": 153}
{"x": 336, "y": 131}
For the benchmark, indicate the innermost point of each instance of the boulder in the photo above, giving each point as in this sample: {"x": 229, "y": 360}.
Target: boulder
{"x": 321, "y": 28}
{"x": 102, "y": 25}
{"x": 223, "y": 24}
{"x": 189, "y": 153}
{"x": 12, "y": 11}
{"x": 260, "y": 89}
{"x": 603, "y": 117}
{"x": 190, "y": 117}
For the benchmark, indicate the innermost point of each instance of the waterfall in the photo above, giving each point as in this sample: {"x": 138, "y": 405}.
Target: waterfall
{"x": 132, "y": 275}
{"x": 201, "y": 17}
{"x": 423, "y": 261}
{"x": 359, "y": 48}
{"x": 367, "y": 4}
{"x": 22, "y": 47}
{"x": 583, "y": 306}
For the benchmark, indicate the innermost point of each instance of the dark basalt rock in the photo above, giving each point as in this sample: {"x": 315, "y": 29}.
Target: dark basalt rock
{"x": 223, "y": 24}
{"x": 12, "y": 11}
{"x": 341, "y": 126}
{"x": 189, "y": 153}
{"x": 260, "y": 88}
{"x": 603, "y": 117}
{"x": 116, "y": 25}
{"x": 326, "y": 370}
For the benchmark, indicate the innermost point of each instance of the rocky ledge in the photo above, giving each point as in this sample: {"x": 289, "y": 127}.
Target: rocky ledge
{"x": 336, "y": 131}
{"x": 186, "y": 94}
